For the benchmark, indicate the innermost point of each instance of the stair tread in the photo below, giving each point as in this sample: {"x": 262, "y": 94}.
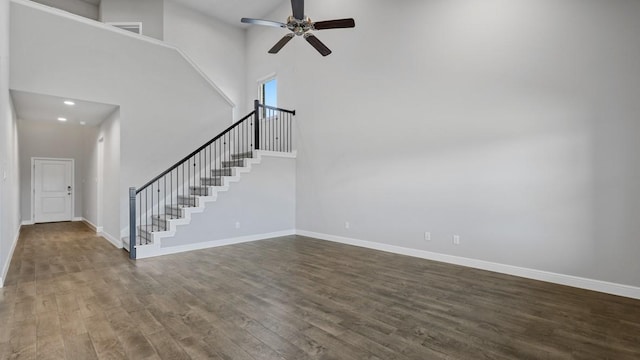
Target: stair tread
{"x": 150, "y": 228}
{"x": 178, "y": 206}
{"x": 244, "y": 155}
{"x": 166, "y": 217}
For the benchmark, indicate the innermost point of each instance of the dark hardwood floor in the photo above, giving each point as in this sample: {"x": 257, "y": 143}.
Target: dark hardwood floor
{"x": 70, "y": 294}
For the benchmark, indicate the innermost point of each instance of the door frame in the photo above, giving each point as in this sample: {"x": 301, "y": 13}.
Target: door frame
{"x": 33, "y": 185}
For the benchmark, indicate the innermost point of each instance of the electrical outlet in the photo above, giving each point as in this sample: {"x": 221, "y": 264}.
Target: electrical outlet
{"x": 347, "y": 225}
{"x": 427, "y": 236}
{"x": 237, "y": 224}
{"x": 456, "y": 239}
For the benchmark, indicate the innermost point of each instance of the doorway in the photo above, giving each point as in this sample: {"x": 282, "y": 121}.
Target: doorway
{"x": 52, "y": 189}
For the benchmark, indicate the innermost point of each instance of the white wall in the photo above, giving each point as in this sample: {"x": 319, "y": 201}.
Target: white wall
{"x": 513, "y": 124}
{"x": 54, "y": 140}
{"x": 166, "y": 108}
{"x": 9, "y": 174}
{"x": 110, "y": 133}
{"x": 101, "y": 200}
{"x": 262, "y": 202}
{"x": 91, "y": 182}
{"x": 149, "y": 12}
{"x": 77, "y": 7}
{"x": 217, "y": 48}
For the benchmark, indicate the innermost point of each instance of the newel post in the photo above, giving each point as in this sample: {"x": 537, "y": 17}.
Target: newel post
{"x": 256, "y": 124}
{"x": 132, "y": 223}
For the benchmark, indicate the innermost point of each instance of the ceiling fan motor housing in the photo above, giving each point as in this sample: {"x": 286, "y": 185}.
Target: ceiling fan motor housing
{"x": 299, "y": 27}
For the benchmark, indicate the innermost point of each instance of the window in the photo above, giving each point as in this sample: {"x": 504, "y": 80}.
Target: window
{"x": 269, "y": 92}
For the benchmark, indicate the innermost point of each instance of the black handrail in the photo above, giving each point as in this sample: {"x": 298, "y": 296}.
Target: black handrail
{"x": 292, "y": 112}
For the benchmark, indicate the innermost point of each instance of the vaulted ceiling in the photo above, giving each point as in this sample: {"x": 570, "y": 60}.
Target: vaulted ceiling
{"x": 228, "y": 11}
{"x": 231, "y": 11}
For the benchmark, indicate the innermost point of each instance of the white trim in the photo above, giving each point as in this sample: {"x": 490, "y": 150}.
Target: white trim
{"x": 33, "y": 185}
{"x": 115, "y": 242}
{"x": 277, "y": 154}
{"x": 91, "y": 225}
{"x": 99, "y": 232}
{"x": 77, "y": 219}
{"x": 27, "y": 222}
{"x": 9, "y": 257}
{"x": 127, "y": 24}
{"x": 147, "y": 251}
{"x": 150, "y": 40}
{"x": 267, "y": 78}
{"x": 562, "y": 279}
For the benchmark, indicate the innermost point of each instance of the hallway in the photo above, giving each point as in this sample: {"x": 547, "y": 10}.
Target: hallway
{"x": 70, "y": 294}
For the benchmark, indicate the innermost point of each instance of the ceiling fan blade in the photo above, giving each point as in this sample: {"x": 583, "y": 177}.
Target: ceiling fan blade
{"x": 334, "y": 24}
{"x": 263, "y": 22}
{"x": 316, "y": 43}
{"x": 280, "y": 44}
{"x": 298, "y": 9}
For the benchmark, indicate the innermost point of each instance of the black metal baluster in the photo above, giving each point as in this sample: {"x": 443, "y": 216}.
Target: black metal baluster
{"x": 139, "y": 222}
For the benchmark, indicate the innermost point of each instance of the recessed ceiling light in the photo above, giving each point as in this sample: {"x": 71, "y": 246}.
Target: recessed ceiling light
{"x": 69, "y": 102}
{"x": 83, "y": 123}
{"x": 62, "y": 119}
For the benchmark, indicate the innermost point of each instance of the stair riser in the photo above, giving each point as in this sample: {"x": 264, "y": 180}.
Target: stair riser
{"x": 222, "y": 172}
{"x": 173, "y": 211}
{"x": 233, "y": 163}
{"x": 200, "y": 191}
{"x": 188, "y": 201}
{"x": 145, "y": 235}
{"x": 247, "y": 155}
{"x": 161, "y": 223}
{"x": 141, "y": 241}
{"x": 216, "y": 181}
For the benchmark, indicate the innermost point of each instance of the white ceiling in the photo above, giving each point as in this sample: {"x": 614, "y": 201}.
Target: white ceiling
{"x": 46, "y": 108}
{"x": 231, "y": 11}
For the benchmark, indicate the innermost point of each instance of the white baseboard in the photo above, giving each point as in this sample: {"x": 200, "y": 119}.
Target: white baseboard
{"x": 98, "y": 229}
{"x": 562, "y": 279}
{"x": 90, "y": 224}
{"x": 115, "y": 242}
{"x": 30, "y": 222}
{"x": 153, "y": 251}
{"x": 9, "y": 257}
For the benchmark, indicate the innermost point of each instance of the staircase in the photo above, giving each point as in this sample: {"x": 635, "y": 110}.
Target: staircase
{"x": 161, "y": 206}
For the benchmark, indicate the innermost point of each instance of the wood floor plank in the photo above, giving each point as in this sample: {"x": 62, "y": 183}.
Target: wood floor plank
{"x": 71, "y": 295}
{"x": 50, "y": 347}
{"x": 79, "y": 347}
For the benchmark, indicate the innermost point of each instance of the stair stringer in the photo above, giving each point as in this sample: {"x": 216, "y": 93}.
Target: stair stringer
{"x": 155, "y": 248}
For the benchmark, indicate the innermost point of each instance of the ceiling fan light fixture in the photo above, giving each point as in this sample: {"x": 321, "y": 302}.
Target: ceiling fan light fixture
{"x": 301, "y": 25}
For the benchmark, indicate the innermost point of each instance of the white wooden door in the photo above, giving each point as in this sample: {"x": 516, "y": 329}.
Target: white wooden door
{"x": 53, "y": 190}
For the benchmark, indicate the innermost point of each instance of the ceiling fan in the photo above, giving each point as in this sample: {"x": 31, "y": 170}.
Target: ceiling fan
{"x": 301, "y": 25}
